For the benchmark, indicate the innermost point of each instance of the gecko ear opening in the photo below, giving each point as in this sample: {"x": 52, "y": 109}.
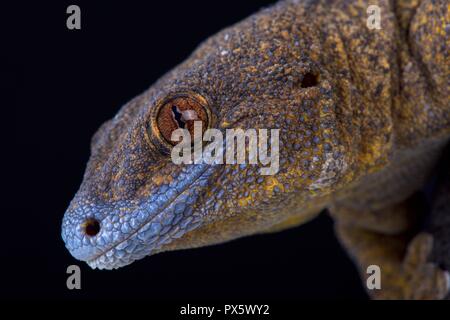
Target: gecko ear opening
{"x": 309, "y": 80}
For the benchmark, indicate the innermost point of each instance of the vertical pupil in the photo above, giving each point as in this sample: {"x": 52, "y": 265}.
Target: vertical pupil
{"x": 178, "y": 117}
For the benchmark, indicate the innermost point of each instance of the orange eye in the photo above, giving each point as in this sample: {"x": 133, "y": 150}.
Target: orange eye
{"x": 181, "y": 112}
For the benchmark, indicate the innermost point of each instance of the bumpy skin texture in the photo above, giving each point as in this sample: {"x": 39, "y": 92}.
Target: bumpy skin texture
{"x": 358, "y": 139}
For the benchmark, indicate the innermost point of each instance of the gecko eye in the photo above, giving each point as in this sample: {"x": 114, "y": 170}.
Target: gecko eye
{"x": 181, "y": 112}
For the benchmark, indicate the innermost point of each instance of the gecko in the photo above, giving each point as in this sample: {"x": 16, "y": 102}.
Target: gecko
{"x": 363, "y": 116}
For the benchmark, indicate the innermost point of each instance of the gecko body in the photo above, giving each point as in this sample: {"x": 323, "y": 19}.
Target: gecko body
{"x": 363, "y": 117}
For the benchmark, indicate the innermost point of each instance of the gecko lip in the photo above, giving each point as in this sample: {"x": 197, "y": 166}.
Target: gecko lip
{"x": 125, "y": 238}
{"x": 142, "y": 242}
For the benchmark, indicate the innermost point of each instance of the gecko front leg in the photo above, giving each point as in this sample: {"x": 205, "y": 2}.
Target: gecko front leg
{"x": 438, "y": 223}
{"x": 406, "y": 272}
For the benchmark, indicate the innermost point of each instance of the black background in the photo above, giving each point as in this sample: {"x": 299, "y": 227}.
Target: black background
{"x": 65, "y": 83}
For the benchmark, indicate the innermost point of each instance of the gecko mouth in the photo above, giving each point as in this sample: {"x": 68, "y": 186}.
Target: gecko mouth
{"x": 173, "y": 220}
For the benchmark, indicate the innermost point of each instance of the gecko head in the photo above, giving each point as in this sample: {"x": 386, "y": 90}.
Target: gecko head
{"x": 136, "y": 201}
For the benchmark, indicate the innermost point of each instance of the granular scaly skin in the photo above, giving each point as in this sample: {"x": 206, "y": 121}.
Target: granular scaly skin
{"x": 363, "y": 115}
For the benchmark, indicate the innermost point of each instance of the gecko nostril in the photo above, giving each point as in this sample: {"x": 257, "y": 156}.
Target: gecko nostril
{"x": 91, "y": 227}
